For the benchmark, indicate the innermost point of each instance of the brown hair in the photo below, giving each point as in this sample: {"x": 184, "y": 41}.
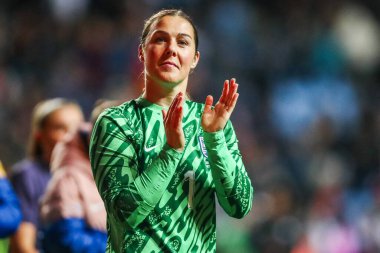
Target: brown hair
{"x": 158, "y": 16}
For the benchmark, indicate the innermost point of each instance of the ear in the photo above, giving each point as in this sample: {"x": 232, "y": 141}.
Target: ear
{"x": 141, "y": 53}
{"x": 195, "y": 60}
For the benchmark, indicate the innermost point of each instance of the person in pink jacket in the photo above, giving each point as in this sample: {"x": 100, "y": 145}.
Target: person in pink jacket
{"x": 71, "y": 210}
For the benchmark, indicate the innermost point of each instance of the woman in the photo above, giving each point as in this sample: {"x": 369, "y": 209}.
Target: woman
{"x": 72, "y": 212}
{"x": 158, "y": 160}
{"x": 52, "y": 119}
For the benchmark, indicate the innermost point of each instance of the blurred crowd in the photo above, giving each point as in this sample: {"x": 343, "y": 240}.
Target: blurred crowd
{"x": 308, "y": 116}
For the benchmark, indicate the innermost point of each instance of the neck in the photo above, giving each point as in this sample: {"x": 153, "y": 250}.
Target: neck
{"x": 162, "y": 94}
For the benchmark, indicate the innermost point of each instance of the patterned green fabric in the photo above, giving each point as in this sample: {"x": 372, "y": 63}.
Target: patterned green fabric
{"x": 145, "y": 184}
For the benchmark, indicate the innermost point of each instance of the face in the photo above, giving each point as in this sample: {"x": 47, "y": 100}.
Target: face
{"x": 57, "y": 125}
{"x": 169, "y": 51}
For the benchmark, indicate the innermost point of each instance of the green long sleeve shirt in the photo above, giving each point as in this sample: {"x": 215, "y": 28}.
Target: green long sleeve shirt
{"x": 158, "y": 199}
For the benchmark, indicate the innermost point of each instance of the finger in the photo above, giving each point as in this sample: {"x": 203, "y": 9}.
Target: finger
{"x": 233, "y": 103}
{"x": 166, "y": 116}
{"x": 223, "y": 97}
{"x": 168, "y": 113}
{"x": 232, "y": 91}
{"x": 176, "y": 116}
{"x": 208, "y": 103}
{"x": 164, "y": 113}
{"x": 174, "y": 102}
{"x": 177, "y": 120}
{"x": 172, "y": 107}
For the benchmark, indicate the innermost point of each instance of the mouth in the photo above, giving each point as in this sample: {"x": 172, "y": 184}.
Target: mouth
{"x": 169, "y": 63}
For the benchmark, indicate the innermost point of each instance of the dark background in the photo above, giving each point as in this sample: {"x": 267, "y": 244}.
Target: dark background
{"x": 308, "y": 116}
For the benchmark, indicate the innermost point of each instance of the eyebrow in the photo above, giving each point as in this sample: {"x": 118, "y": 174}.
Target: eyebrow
{"x": 180, "y": 34}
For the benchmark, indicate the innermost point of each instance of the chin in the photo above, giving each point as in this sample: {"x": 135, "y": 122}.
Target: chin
{"x": 167, "y": 79}
{"x": 170, "y": 81}
{"x": 168, "y": 84}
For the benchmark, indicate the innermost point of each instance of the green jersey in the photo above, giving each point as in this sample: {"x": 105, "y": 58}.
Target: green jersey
{"x": 158, "y": 199}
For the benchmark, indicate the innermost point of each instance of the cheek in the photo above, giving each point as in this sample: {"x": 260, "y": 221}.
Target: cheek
{"x": 150, "y": 61}
{"x": 188, "y": 59}
{"x": 54, "y": 136}
{"x": 152, "y": 54}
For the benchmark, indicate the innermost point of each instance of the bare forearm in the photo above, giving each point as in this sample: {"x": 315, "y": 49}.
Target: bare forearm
{"x": 24, "y": 240}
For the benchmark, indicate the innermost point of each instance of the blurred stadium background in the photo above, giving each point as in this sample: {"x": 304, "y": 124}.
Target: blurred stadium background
{"x": 308, "y": 118}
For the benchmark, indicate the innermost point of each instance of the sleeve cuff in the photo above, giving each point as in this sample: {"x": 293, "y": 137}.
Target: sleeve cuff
{"x": 214, "y": 137}
{"x": 171, "y": 151}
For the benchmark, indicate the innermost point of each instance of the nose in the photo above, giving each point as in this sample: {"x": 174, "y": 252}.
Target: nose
{"x": 171, "y": 48}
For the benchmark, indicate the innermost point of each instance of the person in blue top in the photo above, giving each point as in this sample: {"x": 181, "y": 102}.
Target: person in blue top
{"x": 10, "y": 213}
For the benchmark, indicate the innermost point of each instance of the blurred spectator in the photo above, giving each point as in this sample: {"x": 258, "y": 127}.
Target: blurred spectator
{"x": 10, "y": 213}
{"x": 72, "y": 211}
{"x": 359, "y": 34}
{"x": 298, "y": 104}
{"x": 52, "y": 119}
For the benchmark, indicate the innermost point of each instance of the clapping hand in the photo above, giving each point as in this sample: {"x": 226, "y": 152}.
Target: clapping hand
{"x": 173, "y": 123}
{"x": 215, "y": 119}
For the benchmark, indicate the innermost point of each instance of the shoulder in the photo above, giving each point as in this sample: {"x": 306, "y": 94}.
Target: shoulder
{"x": 118, "y": 123}
{"x": 120, "y": 115}
{"x": 113, "y": 118}
{"x": 27, "y": 168}
{"x": 21, "y": 166}
{"x": 30, "y": 178}
{"x": 121, "y": 110}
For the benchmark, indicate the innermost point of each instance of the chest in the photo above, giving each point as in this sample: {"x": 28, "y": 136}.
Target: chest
{"x": 194, "y": 163}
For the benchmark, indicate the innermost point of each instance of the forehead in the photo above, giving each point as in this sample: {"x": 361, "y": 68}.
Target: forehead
{"x": 67, "y": 112}
{"x": 173, "y": 24}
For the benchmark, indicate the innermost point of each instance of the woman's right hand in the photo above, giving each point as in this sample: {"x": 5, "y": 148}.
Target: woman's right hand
{"x": 173, "y": 123}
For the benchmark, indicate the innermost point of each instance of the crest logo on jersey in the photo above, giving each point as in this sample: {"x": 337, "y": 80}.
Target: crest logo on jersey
{"x": 202, "y": 146}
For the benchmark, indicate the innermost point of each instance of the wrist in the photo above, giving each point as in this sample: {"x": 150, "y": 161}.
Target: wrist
{"x": 211, "y": 129}
{"x": 174, "y": 148}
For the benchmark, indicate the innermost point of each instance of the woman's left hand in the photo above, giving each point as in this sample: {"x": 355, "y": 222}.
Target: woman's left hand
{"x": 215, "y": 119}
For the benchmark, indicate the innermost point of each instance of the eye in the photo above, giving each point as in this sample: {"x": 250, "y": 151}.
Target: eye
{"x": 183, "y": 42}
{"x": 159, "y": 39}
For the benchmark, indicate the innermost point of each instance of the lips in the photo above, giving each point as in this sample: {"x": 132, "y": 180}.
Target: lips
{"x": 169, "y": 63}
